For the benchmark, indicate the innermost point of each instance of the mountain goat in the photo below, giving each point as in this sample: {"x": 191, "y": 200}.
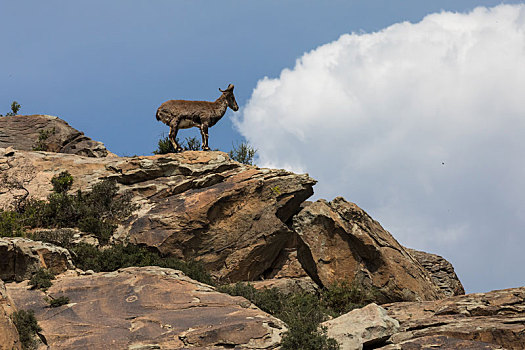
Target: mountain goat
{"x": 182, "y": 114}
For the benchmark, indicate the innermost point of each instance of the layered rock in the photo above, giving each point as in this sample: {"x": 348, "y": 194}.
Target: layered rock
{"x": 8, "y": 333}
{"x": 47, "y": 133}
{"x": 441, "y": 270}
{"x": 148, "y": 307}
{"x": 21, "y": 257}
{"x": 340, "y": 241}
{"x": 194, "y": 205}
{"x": 492, "y": 320}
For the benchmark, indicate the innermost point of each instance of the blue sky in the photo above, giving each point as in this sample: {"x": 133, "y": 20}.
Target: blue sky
{"x": 105, "y": 67}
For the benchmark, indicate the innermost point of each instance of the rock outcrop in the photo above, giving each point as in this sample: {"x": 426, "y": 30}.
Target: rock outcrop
{"x": 493, "y": 320}
{"x": 146, "y": 308}
{"x": 47, "y": 133}
{"x": 340, "y": 241}
{"x": 9, "y": 339}
{"x": 194, "y": 205}
{"x": 21, "y": 257}
{"x": 441, "y": 270}
{"x": 367, "y": 328}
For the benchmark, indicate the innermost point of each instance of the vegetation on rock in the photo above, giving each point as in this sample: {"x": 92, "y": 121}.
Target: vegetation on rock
{"x": 189, "y": 144}
{"x": 241, "y": 152}
{"x": 97, "y": 211}
{"x": 303, "y": 312}
{"x": 41, "y": 279}
{"x": 88, "y": 257}
{"x": 15, "y": 107}
{"x": 57, "y": 302}
{"x": 27, "y": 327}
{"x": 43, "y": 135}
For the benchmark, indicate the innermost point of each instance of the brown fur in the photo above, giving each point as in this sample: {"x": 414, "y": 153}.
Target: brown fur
{"x": 182, "y": 114}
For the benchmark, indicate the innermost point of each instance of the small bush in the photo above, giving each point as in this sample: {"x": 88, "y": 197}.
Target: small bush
{"x": 62, "y": 182}
{"x": 302, "y": 313}
{"x": 243, "y": 153}
{"x": 88, "y": 257}
{"x": 57, "y": 302}
{"x": 60, "y": 237}
{"x": 342, "y": 297}
{"x": 27, "y": 327}
{"x": 97, "y": 211}
{"x": 189, "y": 144}
{"x": 15, "y": 107}
{"x": 41, "y": 279}
{"x": 43, "y": 135}
{"x": 10, "y": 224}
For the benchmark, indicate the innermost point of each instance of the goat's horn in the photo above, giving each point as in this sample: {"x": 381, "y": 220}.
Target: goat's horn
{"x": 229, "y": 88}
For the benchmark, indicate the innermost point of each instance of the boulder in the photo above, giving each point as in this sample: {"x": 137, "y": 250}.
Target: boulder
{"x": 47, "y": 133}
{"x": 22, "y": 257}
{"x": 441, "y": 271}
{"x": 194, "y": 205}
{"x": 493, "y": 320}
{"x": 340, "y": 241}
{"x": 147, "y": 307}
{"x": 367, "y": 327}
{"x": 9, "y": 339}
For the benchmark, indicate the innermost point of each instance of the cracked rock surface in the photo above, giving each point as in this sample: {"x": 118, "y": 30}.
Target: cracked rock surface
{"x": 8, "y": 334}
{"x": 45, "y": 132}
{"x": 493, "y": 320}
{"x": 441, "y": 270}
{"x": 21, "y": 257}
{"x": 340, "y": 241}
{"x": 193, "y": 205}
{"x": 146, "y": 307}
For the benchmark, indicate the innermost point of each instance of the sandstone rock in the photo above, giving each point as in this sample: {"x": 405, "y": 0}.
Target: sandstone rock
{"x": 23, "y": 132}
{"x": 148, "y": 307}
{"x": 288, "y": 285}
{"x": 22, "y": 257}
{"x": 8, "y": 334}
{"x": 365, "y": 327}
{"x": 339, "y": 241}
{"x": 194, "y": 205}
{"x": 492, "y": 320}
{"x": 441, "y": 270}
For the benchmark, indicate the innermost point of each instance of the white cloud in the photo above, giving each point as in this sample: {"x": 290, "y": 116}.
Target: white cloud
{"x": 423, "y": 125}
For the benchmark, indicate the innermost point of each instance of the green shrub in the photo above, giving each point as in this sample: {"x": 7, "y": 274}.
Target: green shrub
{"x": 10, "y": 224}
{"x": 60, "y": 237}
{"x": 302, "y": 312}
{"x": 27, "y": 327}
{"x": 88, "y": 257}
{"x": 15, "y": 107}
{"x": 62, "y": 182}
{"x": 43, "y": 135}
{"x": 243, "y": 153}
{"x": 57, "y": 302}
{"x": 97, "y": 211}
{"x": 189, "y": 144}
{"x": 342, "y": 297}
{"x": 41, "y": 279}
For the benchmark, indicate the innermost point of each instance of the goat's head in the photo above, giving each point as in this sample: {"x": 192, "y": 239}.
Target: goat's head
{"x": 228, "y": 94}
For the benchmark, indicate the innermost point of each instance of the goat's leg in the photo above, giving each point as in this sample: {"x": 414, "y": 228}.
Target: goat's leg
{"x": 173, "y": 136}
{"x": 204, "y": 134}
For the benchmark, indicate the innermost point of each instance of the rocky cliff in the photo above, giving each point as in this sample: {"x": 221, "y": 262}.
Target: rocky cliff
{"x": 243, "y": 223}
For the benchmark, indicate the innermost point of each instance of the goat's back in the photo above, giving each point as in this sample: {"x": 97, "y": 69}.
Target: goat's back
{"x": 183, "y": 108}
